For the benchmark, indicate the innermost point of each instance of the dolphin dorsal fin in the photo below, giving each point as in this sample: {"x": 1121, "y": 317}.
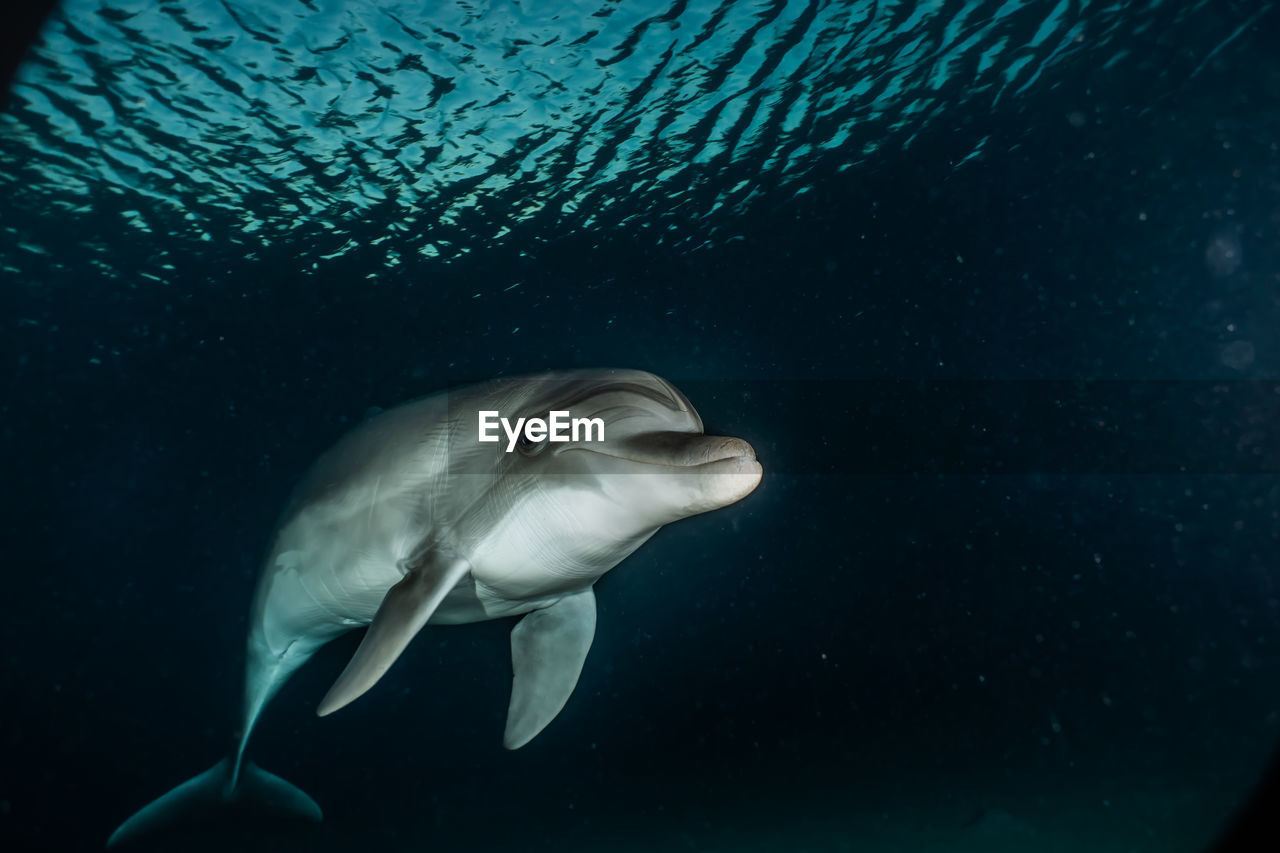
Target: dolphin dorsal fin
{"x": 548, "y": 648}
{"x": 405, "y": 609}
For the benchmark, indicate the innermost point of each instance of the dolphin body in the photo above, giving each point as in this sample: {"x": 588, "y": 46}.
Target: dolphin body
{"x": 410, "y": 520}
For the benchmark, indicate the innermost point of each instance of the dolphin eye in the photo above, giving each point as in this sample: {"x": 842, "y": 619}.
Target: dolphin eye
{"x": 529, "y": 447}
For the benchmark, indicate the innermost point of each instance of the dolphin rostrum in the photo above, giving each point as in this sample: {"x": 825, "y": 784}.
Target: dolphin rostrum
{"x": 411, "y": 519}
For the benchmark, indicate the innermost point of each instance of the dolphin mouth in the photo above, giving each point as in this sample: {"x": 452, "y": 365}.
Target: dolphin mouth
{"x": 679, "y": 450}
{"x": 698, "y": 472}
{"x": 688, "y": 473}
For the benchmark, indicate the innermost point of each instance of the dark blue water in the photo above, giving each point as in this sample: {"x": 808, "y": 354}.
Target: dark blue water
{"x": 991, "y": 286}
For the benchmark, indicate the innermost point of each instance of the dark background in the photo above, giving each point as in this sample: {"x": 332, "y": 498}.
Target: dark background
{"x": 948, "y": 618}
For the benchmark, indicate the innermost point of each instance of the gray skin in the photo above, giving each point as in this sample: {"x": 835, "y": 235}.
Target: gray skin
{"x": 410, "y": 520}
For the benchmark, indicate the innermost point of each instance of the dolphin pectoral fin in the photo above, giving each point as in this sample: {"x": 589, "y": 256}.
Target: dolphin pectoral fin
{"x": 548, "y": 648}
{"x": 405, "y": 609}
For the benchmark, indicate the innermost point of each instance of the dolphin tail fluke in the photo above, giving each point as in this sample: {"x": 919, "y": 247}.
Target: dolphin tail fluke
{"x": 214, "y": 789}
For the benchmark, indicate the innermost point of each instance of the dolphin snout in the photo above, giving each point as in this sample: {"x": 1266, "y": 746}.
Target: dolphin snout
{"x": 684, "y": 449}
{"x": 727, "y": 478}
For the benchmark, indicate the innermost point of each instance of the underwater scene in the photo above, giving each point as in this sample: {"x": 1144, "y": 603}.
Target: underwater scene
{"x": 640, "y": 425}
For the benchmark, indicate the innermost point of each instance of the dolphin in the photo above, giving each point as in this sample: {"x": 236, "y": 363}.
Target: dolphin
{"x": 410, "y": 519}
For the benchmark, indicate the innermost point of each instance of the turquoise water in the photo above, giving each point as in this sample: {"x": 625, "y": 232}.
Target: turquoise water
{"x": 258, "y": 123}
